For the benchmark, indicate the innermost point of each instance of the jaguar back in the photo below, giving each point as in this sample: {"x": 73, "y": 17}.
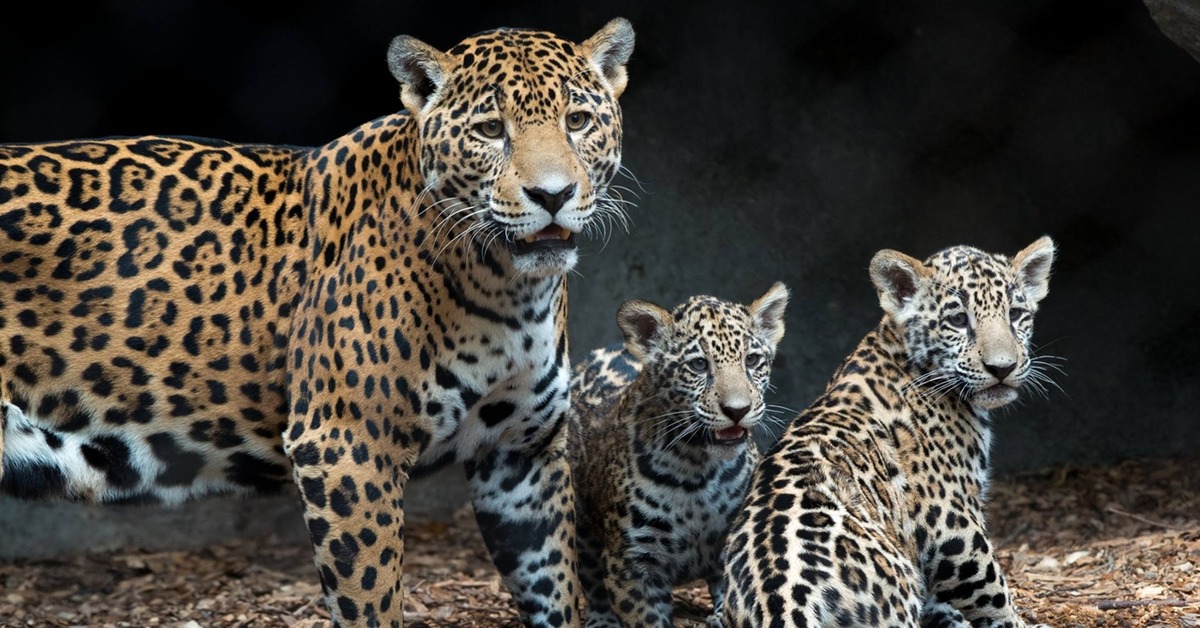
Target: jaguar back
{"x": 146, "y": 288}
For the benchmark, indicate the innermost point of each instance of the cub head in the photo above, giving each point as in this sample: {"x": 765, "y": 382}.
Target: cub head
{"x": 520, "y": 136}
{"x": 966, "y": 317}
{"x": 709, "y": 361}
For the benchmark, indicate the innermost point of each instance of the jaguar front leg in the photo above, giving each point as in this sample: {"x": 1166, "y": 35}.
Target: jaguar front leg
{"x": 525, "y": 506}
{"x": 352, "y": 486}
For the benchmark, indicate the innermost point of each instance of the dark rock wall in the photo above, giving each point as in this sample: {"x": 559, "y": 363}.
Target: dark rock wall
{"x": 1179, "y": 21}
{"x": 773, "y": 141}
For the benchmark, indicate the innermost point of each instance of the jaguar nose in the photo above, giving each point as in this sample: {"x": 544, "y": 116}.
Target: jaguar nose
{"x": 550, "y": 201}
{"x": 735, "y": 414}
{"x": 1000, "y": 371}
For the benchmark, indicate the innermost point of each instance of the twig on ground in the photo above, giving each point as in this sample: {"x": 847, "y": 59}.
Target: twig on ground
{"x": 1108, "y": 605}
{"x": 307, "y": 604}
{"x": 1118, "y": 511}
{"x": 460, "y": 583}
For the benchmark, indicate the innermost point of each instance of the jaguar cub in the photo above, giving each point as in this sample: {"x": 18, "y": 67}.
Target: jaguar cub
{"x": 660, "y": 449}
{"x": 870, "y": 510}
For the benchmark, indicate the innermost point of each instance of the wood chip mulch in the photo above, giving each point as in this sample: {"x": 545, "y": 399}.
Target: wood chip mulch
{"x": 1118, "y": 546}
{"x": 1107, "y": 547}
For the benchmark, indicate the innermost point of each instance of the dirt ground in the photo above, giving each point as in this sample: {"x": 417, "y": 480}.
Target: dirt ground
{"x": 1104, "y": 547}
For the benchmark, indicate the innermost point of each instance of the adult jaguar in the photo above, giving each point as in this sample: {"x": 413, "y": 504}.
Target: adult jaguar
{"x": 870, "y": 510}
{"x": 182, "y": 316}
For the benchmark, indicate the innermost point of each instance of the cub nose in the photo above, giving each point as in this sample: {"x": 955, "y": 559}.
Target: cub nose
{"x": 735, "y": 414}
{"x": 1000, "y": 371}
{"x": 550, "y": 201}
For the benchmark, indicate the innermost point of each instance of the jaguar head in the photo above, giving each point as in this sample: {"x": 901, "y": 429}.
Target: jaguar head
{"x": 520, "y": 137}
{"x": 710, "y": 362}
{"x": 966, "y": 317}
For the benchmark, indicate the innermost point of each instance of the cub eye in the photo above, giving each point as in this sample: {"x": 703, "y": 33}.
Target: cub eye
{"x": 578, "y": 121}
{"x": 699, "y": 365}
{"x": 754, "y": 360}
{"x": 1016, "y": 313}
{"x": 958, "y": 319}
{"x": 491, "y": 129}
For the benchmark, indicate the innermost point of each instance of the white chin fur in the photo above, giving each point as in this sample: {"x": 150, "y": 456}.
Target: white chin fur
{"x": 546, "y": 263}
{"x": 994, "y": 397}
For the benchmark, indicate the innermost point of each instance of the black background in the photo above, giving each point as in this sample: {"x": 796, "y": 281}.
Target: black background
{"x": 773, "y": 141}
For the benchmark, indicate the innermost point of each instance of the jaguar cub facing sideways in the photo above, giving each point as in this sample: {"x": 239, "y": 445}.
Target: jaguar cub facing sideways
{"x": 181, "y": 316}
{"x": 661, "y": 452}
{"x": 870, "y": 510}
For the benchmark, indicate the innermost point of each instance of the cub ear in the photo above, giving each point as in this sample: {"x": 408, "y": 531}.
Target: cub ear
{"x": 1033, "y": 266}
{"x": 642, "y": 323}
{"x": 897, "y": 277}
{"x": 420, "y": 68}
{"x": 767, "y": 313}
{"x": 609, "y": 51}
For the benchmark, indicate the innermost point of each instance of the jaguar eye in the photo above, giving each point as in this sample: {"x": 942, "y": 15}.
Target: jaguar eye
{"x": 490, "y": 129}
{"x": 1016, "y": 313}
{"x": 699, "y": 365}
{"x": 754, "y": 360}
{"x": 578, "y": 121}
{"x": 958, "y": 319}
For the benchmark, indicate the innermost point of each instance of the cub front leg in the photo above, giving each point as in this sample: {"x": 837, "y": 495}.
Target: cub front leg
{"x": 352, "y": 488}
{"x": 591, "y": 571}
{"x": 967, "y": 577}
{"x": 942, "y": 615}
{"x": 525, "y": 506}
{"x": 3, "y": 423}
{"x": 716, "y": 590}
{"x": 639, "y": 594}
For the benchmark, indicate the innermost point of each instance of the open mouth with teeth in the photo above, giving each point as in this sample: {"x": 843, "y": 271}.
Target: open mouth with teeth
{"x": 730, "y": 436}
{"x": 552, "y": 237}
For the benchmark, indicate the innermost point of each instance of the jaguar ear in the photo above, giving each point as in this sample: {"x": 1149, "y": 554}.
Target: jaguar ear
{"x": 609, "y": 51}
{"x": 420, "y": 68}
{"x": 767, "y": 313}
{"x": 897, "y": 277}
{"x": 642, "y": 323}
{"x": 1033, "y": 266}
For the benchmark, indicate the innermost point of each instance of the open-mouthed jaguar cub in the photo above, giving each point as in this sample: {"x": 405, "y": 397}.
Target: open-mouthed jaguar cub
{"x": 181, "y": 316}
{"x": 869, "y": 511}
{"x": 661, "y": 451}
